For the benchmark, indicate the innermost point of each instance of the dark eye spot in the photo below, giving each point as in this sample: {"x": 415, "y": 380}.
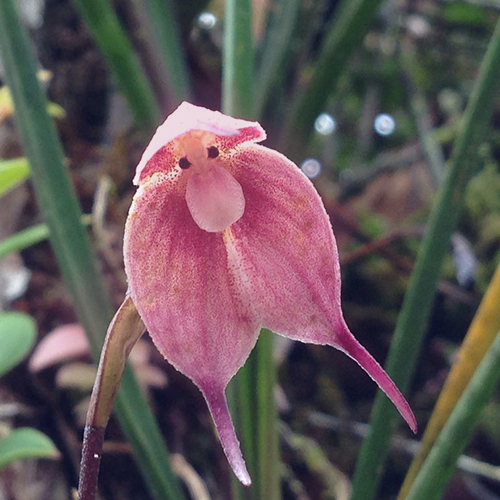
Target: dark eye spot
{"x": 184, "y": 163}
{"x": 212, "y": 152}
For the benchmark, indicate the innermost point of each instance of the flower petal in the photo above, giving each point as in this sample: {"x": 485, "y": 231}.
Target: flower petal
{"x": 283, "y": 255}
{"x": 217, "y": 404}
{"x": 215, "y": 199}
{"x": 218, "y": 245}
{"x": 179, "y": 281}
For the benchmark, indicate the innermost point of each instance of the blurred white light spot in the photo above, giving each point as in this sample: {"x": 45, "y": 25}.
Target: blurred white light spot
{"x": 14, "y": 278}
{"x": 325, "y": 124}
{"x": 418, "y": 26}
{"x": 384, "y": 124}
{"x": 311, "y": 167}
{"x": 207, "y": 20}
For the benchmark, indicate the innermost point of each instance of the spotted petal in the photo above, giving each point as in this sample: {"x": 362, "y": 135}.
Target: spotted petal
{"x": 289, "y": 264}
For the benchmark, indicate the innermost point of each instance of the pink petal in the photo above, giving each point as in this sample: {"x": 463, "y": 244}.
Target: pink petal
{"x": 223, "y": 246}
{"x": 179, "y": 282}
{"x": 215, "y": 199}
{"x": 217, "y": 404}
{"x": 283, "y": 253}
{"x": 64, "y": 343}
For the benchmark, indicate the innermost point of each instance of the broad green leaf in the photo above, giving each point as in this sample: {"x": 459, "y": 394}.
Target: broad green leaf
{"x": 26, "y": 443}
{"x": 12, "y": 173}
{"x": 17, "y": 336}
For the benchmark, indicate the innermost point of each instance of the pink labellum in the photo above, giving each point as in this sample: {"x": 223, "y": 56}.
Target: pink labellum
{"x": 225, "y": 237}
{"x": 215, "y": 199}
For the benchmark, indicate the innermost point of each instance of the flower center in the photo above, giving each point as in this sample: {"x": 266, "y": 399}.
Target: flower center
{"x": 195, "y": 153}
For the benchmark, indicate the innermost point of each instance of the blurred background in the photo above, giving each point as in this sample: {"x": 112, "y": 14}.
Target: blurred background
{"x": 376, "y": 148}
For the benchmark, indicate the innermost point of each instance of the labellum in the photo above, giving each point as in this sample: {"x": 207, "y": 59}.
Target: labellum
{"x": 225, "y": 237}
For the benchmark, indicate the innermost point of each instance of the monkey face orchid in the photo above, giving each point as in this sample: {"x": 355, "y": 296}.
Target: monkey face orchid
{"x": 225, "y": 237}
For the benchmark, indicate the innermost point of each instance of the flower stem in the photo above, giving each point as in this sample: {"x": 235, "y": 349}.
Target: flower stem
{"x": 93, "y": 439}
{"x": 124, "y": 331}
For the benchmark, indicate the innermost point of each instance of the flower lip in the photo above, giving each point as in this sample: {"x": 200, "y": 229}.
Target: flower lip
{"x": 214, "y": 128}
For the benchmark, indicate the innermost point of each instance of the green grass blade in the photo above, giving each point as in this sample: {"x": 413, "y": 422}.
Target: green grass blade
{"x": 251, "y": 395}
{"x": 348, "y": 29}
{"x": 476, "y": 344}
{"x": 276, "y": 47}
{"x": 267, "y": 438}
{"x": 238, "y": 60}
{"x": 237, "y": 95}
{"x": 61, "y": 210}
{"x": 119, "y": 54}
{"x": 31, "y": 236}
{"x": 166, "y": 33}
{"x": 412, "y": 320}
{"x": 439, "y": 466}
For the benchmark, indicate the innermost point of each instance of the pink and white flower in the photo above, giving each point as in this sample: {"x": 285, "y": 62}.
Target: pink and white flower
{"x": 225, "y": 237}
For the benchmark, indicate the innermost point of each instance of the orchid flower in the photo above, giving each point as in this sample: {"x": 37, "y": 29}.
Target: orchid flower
{"x": 225, "y": 237}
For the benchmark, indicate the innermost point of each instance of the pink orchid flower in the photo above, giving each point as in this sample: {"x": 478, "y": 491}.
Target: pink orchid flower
{"x": 225, "y": 237}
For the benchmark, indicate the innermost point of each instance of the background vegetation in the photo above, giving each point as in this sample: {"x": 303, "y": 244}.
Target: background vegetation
{"x": 391, "y": 108}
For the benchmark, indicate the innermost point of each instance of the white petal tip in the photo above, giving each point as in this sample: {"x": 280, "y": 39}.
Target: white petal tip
{"x": 241, "y": 472}
{"x": 244, "y": 478}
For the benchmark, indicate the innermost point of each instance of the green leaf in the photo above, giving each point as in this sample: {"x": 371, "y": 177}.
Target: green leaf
{"x": 116, "y": 48}
{"x": 12, "y": 173}
{"x": 31, "y": 236}
{"x": 419, "y": 299}
{"x": 60, "y": 208}
{"x": 26, "y": 443}
{"x": 17, "y": 336}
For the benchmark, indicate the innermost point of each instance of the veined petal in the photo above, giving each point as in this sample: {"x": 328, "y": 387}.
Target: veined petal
{"x": 179, "y": 281}
{"x": 283, "y": 255}
{"x": 215, "y": 199}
